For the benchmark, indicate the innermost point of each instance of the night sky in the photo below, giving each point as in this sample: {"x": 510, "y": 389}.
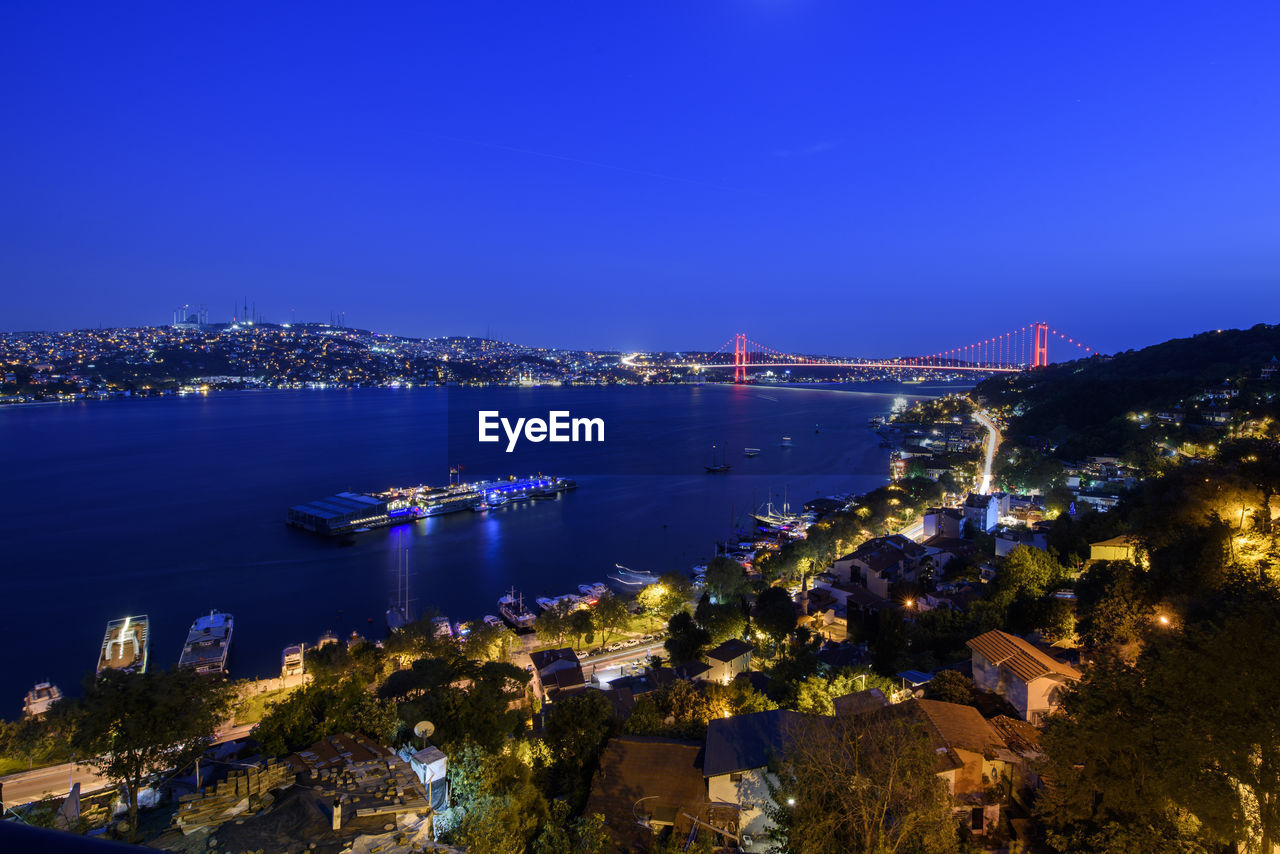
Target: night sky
{"x": 864, "y": 178}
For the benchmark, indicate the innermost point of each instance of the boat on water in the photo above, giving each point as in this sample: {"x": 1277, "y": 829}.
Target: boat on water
{"x": 786, "y": 442}
{"x": 715, "y": 468}
{"x": 398, "y": 614}
{"x": 126, "y": 645}
{"x": 751, "y": 452}
{"x": 208, "y": 643}
{"x": 492, "y": 622}
{"x": 548, "y": 602}
{"x": 40, "y": 698}
{"x": 292, "y": 660}
{"x": 595, "y": 590}
{"x": 512, "y": 608}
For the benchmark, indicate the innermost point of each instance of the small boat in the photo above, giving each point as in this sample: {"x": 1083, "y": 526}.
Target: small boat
{"x": 492, "y": 622}
{"x": 293, "y": 660}
{"x": 208, "y": 643}
{"x": 125, "y": 646}
{"x": 597, "y": 589}
{"x": 511, "y": 606}
{"x": 544, "y": 602}
{"x": 40, "y": 698}
{"x": 786, "y": 442}
{"x": 751, "y": 452}
{"x": 714, "y": 468}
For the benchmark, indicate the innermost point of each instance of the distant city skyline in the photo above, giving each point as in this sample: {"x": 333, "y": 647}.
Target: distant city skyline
{"x": 829, "y": 178}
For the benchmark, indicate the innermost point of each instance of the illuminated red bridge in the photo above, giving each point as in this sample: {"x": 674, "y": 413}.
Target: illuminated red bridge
{"x": 1017, "y": 350}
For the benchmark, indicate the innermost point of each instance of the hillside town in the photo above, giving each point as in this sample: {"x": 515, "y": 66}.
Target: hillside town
{"x": 980, "y": 655}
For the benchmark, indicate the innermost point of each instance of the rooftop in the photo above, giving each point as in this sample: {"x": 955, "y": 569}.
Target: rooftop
{"x": 1020, "y": 657}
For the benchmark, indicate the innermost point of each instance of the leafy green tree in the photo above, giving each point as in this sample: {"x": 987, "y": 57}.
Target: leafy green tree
{"x": 670, "y": 593}
{"x": 611, "y": 616}
{"x": 132, "y": 725}
{"x": 576, "y": 731}
{"x": 775, "y": 613}
{"x": 862, "y": 783}
{"x": 678, "y": 710}
{"x": 500, "y": 808}
{"x": 816, "y": 695}
{"x": 950, "y": 686}
{"x": 466, "y": 700}
{"x": 1029, "y": 572}
{"x": 726, "y": 579}
{"x": 1112, "y": 602}
{"x": 722, "y": 622}
{"x": 564, "y": 834}
{"x": 685, "y": 638}
{"x": 582, "y": 624}
{"x": 1177, "y": 751}
{"x": 321, "y": 709}
{"x": 552, "y": 625}
{"x": 490, "y": 643}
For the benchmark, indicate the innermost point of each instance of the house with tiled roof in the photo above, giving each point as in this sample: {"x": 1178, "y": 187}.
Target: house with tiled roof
{"x": 644, "y": 784}
{"x": 729, "y": 659}
{"x": 739, "y": 750}
{"x": 1029, "y": 678}
{"x": 971, "y": 757}
{"x": 556, "y": 672}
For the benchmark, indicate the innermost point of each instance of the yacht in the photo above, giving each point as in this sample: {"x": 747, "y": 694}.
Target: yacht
{"x": 208, "y": 643}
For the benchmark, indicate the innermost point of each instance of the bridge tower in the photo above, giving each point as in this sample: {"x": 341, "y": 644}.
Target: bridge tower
{"x": 740, "y": 358}
{"x": 1040, "y": 356}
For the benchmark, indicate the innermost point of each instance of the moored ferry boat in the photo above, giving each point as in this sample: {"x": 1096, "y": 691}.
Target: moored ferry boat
{"x": 208, "y": 643}
{"x": 125, "y": 646}
{"x": 512, "y": 608}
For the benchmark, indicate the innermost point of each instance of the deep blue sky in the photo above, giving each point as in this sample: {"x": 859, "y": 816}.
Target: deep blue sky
{"x": 851, "y": 177}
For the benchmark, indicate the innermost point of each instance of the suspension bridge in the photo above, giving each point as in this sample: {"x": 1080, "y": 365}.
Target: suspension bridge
{"x": 1020, "y": 349}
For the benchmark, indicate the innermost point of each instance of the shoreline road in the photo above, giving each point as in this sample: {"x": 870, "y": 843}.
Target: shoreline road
{"x": 27, "y": 786}
{"x": 993, "y": 442}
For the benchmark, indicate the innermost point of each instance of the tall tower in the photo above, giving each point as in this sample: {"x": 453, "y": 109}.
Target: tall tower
{"x": 1040, "y": 355}
{"x": 740, "y": 358}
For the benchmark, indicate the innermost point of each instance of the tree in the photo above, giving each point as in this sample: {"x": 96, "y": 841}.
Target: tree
{"x": 132, "y": 725}
{"x": 582, "y": 623}
{"x": 1027, "y": 571}
{"x": 722, "y": 621}
{"x": 665, "y": 596}
{"x": 563, "y": 834}
{"x": 775, "y": 613}
{"x": 726, "y": 579}
{"x": 490, "y": 643}
{"x": 862, "y": 783}
{"x": 576, "y": 731}
{"x": 552, "y": 624}
{"x": 321, "y": 709}
{"x": 466, "y": 700}
{"x": 1112, "y": 602}
{"x": 950, "y": 686}
{"x": 611, "y": 616}
{"x": 1179, "y": 748}
{"x": 686, "y": 639}
{"x": 500, "y": 808}
{"x": 817, "y": 694}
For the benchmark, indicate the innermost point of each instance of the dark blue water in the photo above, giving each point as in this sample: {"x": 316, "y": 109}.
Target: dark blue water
{"x": 172, "y": 507}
